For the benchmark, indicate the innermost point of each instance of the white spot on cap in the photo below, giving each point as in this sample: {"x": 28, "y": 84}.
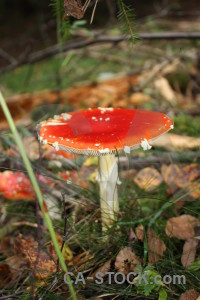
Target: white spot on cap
{"x": 97, "y": 145}
{"x": 45, "y": 142}
{"x": 107, "y": 119}
{"x": 172, "y": 126}
{"x": 56, "y": 117}
{"x": 56, "y": 146}
{"x": 145, "y": 145}
{"x": 127, "y": 149}
{"x": 106, "y": 150}
{"x": 66, "y": 116}
{"x": 103, "y": 109}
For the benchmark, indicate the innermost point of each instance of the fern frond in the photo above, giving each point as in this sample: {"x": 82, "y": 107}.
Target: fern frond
{"x": 127, "y": 17}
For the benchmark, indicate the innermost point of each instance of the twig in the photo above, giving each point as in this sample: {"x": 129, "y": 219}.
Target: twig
{"x": 7, "y": 56}
{"x": 163, "y": 158}
{"x": 81, "y": 43}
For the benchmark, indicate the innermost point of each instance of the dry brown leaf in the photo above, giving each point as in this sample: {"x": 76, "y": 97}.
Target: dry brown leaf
{"x": 132, "y": 236}
{"x": 189, "y": 252}
{"x": 21, "y": 106}
{"x": 127, "y": 174}
{"x": 177, "y": 178}
{"x": 156, "y": 247}
{"x": 126, "y": 261}
{"x": 138, "y": 99}
{"x": 191, "y": 172}
{"x": 104, "y": 269}
{"x": 148, "y": 179}
{"x": 140, "y": 232}
{"x": 164, "y": 89}
{"x": 189, "y": 295}
{"x": 27, "y": 248}
{"x": 181, "y": 227}
{"x": 176, "y": 142}
{"x": 194, "y": 189}
{"x": 180, "y": 176}
{"x": 171, "y": 174}
{"x": 31, "y": 147}
{"x": 105, "y": 93}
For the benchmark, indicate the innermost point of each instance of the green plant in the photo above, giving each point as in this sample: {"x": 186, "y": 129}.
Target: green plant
{"x": 127, "y": 17}
{"x": 149, "y": 284}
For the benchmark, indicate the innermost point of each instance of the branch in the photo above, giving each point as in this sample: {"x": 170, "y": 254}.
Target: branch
{"x": 81, "y": 43}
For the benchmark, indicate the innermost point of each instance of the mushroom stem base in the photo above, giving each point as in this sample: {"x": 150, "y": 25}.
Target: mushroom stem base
{"x": 108, "y": 179}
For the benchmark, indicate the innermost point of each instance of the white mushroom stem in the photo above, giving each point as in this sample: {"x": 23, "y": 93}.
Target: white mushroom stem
{"x": 108, "y": 180}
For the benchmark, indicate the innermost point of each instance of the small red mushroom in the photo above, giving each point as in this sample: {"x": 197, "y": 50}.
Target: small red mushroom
{"x": 104, "y": 132}
{"x": 16, "y": 186}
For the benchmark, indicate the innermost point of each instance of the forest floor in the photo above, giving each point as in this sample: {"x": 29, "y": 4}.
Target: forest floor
{"x": 158, "y": 227}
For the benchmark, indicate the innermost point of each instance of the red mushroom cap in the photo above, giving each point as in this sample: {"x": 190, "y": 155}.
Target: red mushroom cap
{"x": 16, "y": 186}
{"x": 103, "y": 130}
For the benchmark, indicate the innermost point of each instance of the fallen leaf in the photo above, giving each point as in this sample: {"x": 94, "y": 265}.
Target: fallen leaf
{"x": 27, "y": 248}
{"x": 189, "y": 295}
{"x": 31, "y": 146}
{"x": 156, "y": 247}
{"x": 139, "y": 99}
{"x": 172, "y": 175}
{"x": 17, "y": 265}
{"x": 194, "y": 189}
{"x": 132, "y": 236}
{"x": 126, "y": 261}
{"x": 164, "y": 89}
{"x": 22, "y": 105}
{"x": 140, "y": 232}
{"x": 176, "y": 142}
{"x": 181, "y": 227}
{"x": 127, "y": 174}
{"x": 148, "y": 179}
{"x": 189, "y": 252}
{"x": 191, "y": 172}
{"x": 177, "y": 178}
{"x": 104, "y": 269}
{"x": 66, "y": 252}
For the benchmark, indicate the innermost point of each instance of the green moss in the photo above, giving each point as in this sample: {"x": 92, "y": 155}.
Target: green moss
{"x": 188, "y": 125}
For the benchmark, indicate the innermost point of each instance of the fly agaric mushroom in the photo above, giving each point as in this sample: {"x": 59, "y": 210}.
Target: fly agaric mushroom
{"x": 16, "y": 186}
{"x": 103, "y": 132}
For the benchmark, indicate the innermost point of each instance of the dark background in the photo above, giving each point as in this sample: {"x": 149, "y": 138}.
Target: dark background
{"x": 30, "y": 25}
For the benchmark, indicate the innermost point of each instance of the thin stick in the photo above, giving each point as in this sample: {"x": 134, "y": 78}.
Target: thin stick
{"x": 92, "y": 17}
{"x": 81, "y": 43}
{"x": 37, "y": 190}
